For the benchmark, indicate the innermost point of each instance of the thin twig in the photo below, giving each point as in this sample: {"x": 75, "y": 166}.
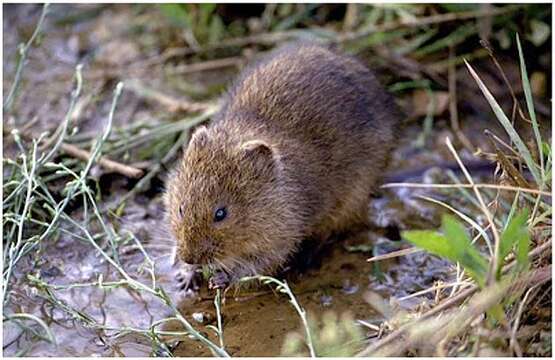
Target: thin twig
{"x": 453, "y": 111}
{"x": 463, "y": 216}
{"x": 434, "y": 288}
{"x": 23, "y": 50}
{"x": 107, "y": 164}
{"x": 283, "y": 287}
{"x": 516, "y": 104}
{"x": 513, "y": 342}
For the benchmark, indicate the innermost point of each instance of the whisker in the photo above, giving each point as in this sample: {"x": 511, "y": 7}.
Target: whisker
{"x": 223, "y": 265}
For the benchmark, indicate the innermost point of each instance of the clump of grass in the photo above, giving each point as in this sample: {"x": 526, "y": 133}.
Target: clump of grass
{"x": 30, "y": 196}
{"x": 502, "y": 275}
{"x": 32, "y": 217}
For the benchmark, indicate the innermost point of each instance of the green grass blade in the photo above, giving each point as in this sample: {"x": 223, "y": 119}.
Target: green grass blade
{"x": 512, "y": 211}
{"x": 455, "y": 37}
{"x": 530, "y": 103}
{"x": 515, "y": 233}
{"x": 522, "y": 149}
{"x": 523, "y": 246}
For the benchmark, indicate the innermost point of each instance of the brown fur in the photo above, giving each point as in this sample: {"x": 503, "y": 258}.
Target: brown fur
{"x": 301, "y": 140}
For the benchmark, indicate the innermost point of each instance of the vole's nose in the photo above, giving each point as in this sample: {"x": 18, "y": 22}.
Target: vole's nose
{"x": 198, "y": 254}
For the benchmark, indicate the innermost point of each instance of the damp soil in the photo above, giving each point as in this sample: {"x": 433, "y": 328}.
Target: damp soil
{"x": 255, "y": 320}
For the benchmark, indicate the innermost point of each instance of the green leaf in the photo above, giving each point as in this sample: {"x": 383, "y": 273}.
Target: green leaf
{"x": 454, "y": 245}
{"x": 207, "y": 8}
{"x": 217, "y": 30}
{"x": 516, "y": 232}
{"x": 466, "y": 253}
{"x": 431, "y": 241}
{"x": 176, "y": 14}
{"x": 205, "y": 14}
{"x": 523, "y": 247}
{"x": 546, "y": 148}
{"x": 522, "y": 149}
{"x": 496, "y": 314}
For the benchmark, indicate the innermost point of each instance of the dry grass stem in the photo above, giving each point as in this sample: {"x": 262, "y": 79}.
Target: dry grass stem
{"x": 207, "y": 65}
{"x": 395, "y": 254}
{"x": 107, "y": 164}
{"x": 477, "y": 185}
{"x": 172, "y": 104}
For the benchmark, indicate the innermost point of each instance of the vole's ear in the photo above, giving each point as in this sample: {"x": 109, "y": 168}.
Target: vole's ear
{"x": 259, "y": 151}
{"x": 200, "y": 137}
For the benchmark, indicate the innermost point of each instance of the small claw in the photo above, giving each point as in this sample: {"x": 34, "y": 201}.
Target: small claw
{"x": 188, "y": 278}
{"x": 220, "y": 280}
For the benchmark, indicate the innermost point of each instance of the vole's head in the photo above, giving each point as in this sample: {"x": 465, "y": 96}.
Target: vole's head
{"x": 224, "y": 199}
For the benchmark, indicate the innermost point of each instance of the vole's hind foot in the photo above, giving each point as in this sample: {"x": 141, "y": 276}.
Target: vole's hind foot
{"x": 220, "y": 280}
{"x": 188, "y": 279}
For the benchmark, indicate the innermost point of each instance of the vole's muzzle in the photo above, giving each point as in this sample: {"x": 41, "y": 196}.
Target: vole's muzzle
{"x": 190, "y": 259}
{"x": 197, "y": 255}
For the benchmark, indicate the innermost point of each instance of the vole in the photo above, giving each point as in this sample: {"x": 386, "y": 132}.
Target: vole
{"x": 297, "y": 148}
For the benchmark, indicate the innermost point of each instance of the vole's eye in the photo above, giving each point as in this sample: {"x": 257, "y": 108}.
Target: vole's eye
{"x": 220, "y": 214}
{"x": 181, "y": 210}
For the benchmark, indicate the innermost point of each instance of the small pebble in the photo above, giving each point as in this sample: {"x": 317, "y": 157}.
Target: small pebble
{"x": 198, "y": 317}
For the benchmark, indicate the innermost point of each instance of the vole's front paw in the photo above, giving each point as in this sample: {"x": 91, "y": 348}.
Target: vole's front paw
{"x": 220, "y": 280}
{"x": 188, "y": 279}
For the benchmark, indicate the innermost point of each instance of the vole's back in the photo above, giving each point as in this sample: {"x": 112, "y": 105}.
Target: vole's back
{"x": 309, "y": 88}
{"x": 331, "y": 121}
